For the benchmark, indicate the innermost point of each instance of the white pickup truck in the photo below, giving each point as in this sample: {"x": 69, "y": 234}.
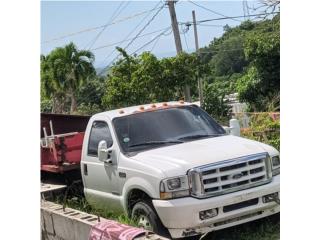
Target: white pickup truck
{"x": 174, "y": 168}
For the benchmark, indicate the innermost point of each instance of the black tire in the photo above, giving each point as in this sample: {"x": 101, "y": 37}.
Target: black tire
{"x": 144, "y": 209}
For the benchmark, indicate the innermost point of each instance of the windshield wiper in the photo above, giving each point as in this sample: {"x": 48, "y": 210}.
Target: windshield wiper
{"x": 200, "y": 136}
{"x": 155, "y": 143}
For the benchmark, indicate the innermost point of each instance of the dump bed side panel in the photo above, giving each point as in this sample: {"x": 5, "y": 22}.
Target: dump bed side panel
{"x": 63, "y": 153}
{"x": 63, "y": 123}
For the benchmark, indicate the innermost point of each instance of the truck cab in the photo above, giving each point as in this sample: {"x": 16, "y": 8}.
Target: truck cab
{"x": 174, "y": 169}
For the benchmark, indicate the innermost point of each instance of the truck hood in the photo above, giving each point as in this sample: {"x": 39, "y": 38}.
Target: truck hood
{"x": 175, "y": 160}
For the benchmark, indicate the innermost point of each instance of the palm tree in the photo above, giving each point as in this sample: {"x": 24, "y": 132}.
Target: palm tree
{"x": 70, "y": 69}
{"x": 49, "y": 89}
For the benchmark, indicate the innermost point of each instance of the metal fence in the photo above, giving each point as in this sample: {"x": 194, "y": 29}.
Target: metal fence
{"x": 245, "y": 118}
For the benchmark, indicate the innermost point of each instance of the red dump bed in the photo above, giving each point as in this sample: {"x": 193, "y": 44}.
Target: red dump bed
{"x": 61, "y": 150}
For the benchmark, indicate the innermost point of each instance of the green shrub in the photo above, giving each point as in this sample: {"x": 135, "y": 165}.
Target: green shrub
{"x": 88, "y": 109}
{"x": 214, "y": 104}
{"x": 46, "y": 105}
{"x": 263, "y": 128}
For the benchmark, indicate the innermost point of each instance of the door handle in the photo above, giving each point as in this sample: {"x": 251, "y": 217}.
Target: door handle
{"x": 85, "y": 169}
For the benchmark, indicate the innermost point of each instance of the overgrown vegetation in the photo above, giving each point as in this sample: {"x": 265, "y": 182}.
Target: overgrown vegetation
{"x": 245, "y": 59}
{"x": 80, "y": 203}
{"x": 264, "y": 127}
{"x": 263, "y": 229}
{"x": 142, "y": 79}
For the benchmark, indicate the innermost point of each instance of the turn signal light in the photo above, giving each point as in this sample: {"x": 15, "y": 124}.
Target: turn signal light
{"x": 165, "y": 195}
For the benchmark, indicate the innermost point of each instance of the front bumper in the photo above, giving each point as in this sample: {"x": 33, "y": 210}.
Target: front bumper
{"x": 181, "y": 216}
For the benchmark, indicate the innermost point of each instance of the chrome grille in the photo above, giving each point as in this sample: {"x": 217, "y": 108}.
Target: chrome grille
{"x": 230, "y": 176}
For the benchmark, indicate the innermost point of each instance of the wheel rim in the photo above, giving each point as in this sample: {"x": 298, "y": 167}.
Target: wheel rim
{"x": 143, "y": 221}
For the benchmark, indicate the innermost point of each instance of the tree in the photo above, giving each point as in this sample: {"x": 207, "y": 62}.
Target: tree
{"x": 246, "y": 59}
{"x": 230, "y": 57}
{"x": 223, "y": 59}
{"x": 261, "y": 81}
{"x": 214, "y": 100}
{"x": 92, "y": 91}
{"x": 119, "y": 88}
{"x": 52, "y": 98}
{"x": 68, "y": 69}
{"x": 142, "y": 79}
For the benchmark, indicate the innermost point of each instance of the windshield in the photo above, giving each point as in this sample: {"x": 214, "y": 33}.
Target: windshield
{"x": 146, "y": 130}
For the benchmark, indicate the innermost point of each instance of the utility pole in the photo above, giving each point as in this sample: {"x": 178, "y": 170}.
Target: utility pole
{"x": 177, "y": 39}
{"x": 197, "y": 50}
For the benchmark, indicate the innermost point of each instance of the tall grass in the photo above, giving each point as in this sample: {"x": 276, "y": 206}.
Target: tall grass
{"x": 264, "y": 229}
{"x": 81, "y": 204}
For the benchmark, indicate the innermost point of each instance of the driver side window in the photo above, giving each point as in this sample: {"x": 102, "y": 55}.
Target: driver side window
{"x": 99, "y": 131}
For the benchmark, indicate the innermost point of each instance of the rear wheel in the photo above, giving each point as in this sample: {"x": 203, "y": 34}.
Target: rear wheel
{"x": 146, "y": 217}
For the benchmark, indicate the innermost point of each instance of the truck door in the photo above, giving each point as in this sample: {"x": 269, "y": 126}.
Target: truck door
{"x": 99, "y": 178}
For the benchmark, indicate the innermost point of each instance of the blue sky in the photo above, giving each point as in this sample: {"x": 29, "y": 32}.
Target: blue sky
{"x": 59, "y": 18}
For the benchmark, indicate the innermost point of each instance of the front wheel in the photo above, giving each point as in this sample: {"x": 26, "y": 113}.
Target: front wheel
{"x": 144, "y": 214}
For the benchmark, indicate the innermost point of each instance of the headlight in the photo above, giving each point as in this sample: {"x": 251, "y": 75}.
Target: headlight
{"x": 174, "y": 183}
{"x": 174, "y": 187}
{"x": 275, "y": 165}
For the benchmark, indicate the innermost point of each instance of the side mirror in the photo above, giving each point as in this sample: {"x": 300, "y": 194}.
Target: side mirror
{"x": 103, "y": 154}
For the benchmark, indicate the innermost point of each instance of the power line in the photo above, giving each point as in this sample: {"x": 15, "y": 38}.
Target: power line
{"x": 184, "y": 31}
{"x": 244, "y": 11}
{"x": 217, "y": 13}
{"x": 144, "y": 27}
{"x": 152, "y": 40}
{"x": 255, "y": 26}
{"x": 164, "y": 34}
{"x": 112, "y": 18}
{"x": 155, "y": 7}
{"x": 125, "y": 40}
{"x": 137, "y": 35}
{"x": 223, "y": 18}
{"x": 247, "y": 7}
{"x": 210, "y": 25}
{"x": 155, "y": 43}
{"x": 97, "y": 27}
{"x": 185, "y": 40}
{"x": 132, "y": 31}
{"x": 216, "y": 51}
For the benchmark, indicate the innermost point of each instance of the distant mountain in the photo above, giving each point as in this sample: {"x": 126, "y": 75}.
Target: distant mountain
{"x": 102, "y": 71}
{"x": 171, "y": 53}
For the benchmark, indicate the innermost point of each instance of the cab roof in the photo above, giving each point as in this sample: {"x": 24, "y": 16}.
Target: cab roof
{"x": 140, "y": 108}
